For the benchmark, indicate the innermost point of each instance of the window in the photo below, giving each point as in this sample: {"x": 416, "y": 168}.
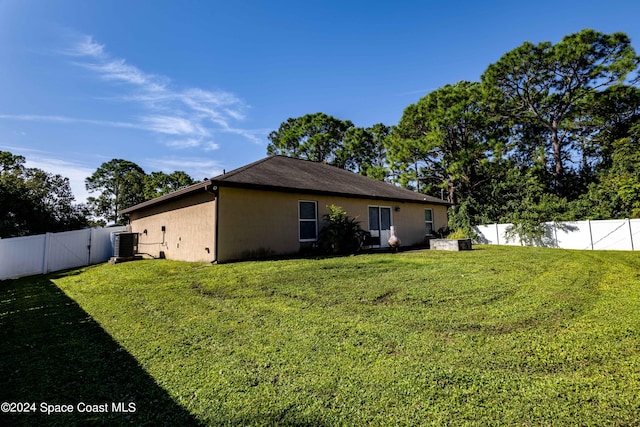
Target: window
{"x": 308, "y": 221}
{"x": 428, "y": 221}
{"x": 379, "y": 218}
{"x": 374, "y": 218}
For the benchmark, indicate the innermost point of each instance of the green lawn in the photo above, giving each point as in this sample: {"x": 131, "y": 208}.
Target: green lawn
{"x": 494, "y": 336}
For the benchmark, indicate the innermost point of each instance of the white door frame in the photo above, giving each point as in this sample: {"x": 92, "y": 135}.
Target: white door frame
{"x": 377, "y": 230}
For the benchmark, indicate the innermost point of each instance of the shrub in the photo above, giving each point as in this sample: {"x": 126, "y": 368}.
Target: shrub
{"x": 461, "y": 233}
{"x": 460, "y": 222}
{"x": 342, "y": 234}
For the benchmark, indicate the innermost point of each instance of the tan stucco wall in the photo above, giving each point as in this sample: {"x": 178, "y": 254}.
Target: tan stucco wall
{"x": 189, "y": 228}
{"x": 258, "y": 223}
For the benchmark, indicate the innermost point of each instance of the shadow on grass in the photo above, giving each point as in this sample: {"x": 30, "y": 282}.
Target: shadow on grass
{"x": 52, "y": 352}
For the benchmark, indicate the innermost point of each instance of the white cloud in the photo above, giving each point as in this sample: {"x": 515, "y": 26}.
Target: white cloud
{"x": 251, "y": 134}
{"x": 69, "y": 120}
{"x": 85, "y": 46}
{"x": 193, "y": 113}
{"x": 174, "y": 126}
{"x": 36, "y": 118}
{"x": 184, "y": 143}
{"x": 119, "y": 70}
{"x": 98, "y": 60}
{"x": 210, "y": 146}
{"x": 192, "y": 143}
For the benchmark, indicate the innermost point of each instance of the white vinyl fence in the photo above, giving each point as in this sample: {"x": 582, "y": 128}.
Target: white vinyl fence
{"x": 44, "y": 253}
{"x": 615, "y": 234}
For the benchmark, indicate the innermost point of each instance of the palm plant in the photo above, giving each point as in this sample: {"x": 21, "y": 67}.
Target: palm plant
{"x": 341, "y": 234}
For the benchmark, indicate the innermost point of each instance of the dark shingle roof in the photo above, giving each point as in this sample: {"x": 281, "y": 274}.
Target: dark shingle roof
{"x": 280, "y": 173}
{"x": 289, "y": 174}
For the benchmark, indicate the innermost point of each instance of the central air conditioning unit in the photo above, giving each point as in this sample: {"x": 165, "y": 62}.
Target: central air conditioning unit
{"x": 125, "y": 245}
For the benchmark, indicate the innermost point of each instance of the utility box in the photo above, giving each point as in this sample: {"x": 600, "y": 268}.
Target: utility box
{"x": 125, "y": 245}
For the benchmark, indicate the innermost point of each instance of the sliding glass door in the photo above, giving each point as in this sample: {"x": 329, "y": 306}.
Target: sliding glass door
{"x": 380, "y": 225}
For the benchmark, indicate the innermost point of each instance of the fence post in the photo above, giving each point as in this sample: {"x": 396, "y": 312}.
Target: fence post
{"x": 630, "y": 233}
{"x": 497, "y": 235}
{"x": 45, "y": 255}
{"x": 590, "y": 233}
{"x": 89, "y": 246}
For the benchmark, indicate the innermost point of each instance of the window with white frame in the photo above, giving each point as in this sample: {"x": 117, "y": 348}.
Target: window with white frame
{"x": 307, "y": 221}
{"x": 428, "y": 221}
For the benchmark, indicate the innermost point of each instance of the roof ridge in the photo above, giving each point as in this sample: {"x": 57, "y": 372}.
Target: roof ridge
{"x": 242, "y": 168}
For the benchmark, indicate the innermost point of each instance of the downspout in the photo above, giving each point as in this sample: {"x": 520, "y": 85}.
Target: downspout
{"x": 213, "y": 189}
{"x": 217, "y": 228}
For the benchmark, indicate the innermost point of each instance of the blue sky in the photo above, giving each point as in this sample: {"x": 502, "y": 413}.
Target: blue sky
{"x": 198, "y": 85}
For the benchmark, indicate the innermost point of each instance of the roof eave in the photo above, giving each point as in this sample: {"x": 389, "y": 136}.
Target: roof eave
{"x": 200, "y": 186}
{"x": 326, "y": 192}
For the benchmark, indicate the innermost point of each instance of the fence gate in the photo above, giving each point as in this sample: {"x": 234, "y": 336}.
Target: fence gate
{"x": 67, "y": 250}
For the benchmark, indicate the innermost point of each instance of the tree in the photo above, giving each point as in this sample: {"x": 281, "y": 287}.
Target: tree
{"x": 549, "y": 85}
{"x": 616, "y": 194}
{"x": 120, "y": 184}
{"x": 316, "y": 137}
{"x": 159, "y": 183}
{"x": 612, "y": 114}
{"x": 34, "y": 201}
{"x": 365, "y": 151}
{"x": 444, "y": 136}
{"x": 405, "y": 154}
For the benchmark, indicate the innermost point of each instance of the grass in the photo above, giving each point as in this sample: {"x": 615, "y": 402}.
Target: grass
{"x": 495, "y": 336}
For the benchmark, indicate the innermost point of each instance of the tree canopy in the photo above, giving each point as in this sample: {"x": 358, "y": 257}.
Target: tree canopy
{"x": 551, "y": 87}
{"x": 34, "y": 201}
{"x": 317, "y": 137}
{"x": 158, "y": 184}
{"x": 122, "y": 183}
{"x": 445, "y": 135}
{"x": 549, "y": 132}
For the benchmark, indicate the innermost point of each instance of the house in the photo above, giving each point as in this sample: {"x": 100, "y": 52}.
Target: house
{"x": 275, "y": 206}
